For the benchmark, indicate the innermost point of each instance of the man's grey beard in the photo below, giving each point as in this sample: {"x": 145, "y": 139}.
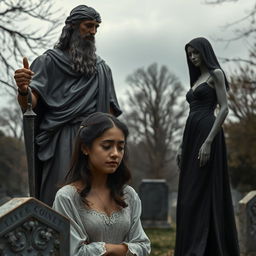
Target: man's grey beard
{"x": 83, "y": 54}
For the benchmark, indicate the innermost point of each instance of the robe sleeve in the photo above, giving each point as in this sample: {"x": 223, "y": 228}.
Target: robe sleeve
{"x": 64, "y": 204}
{"x": 113, "y": 99}
{"x": 40, "y": 80}
{"x": 112, "y": 94}
{"x": 137, "y": 241}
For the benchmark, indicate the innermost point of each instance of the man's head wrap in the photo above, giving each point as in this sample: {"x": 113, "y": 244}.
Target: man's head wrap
{"x": 82, "y": 12}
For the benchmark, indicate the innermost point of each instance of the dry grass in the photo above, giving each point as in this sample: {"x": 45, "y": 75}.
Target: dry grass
{"x": 162, "y": 241}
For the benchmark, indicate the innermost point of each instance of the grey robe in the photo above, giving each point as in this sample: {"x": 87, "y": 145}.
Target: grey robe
{"x": 66, "y": 97}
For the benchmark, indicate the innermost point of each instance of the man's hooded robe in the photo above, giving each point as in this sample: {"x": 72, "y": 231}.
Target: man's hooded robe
{"x": 65, "y": 98}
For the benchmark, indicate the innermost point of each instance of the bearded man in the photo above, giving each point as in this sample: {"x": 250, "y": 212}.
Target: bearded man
{"x": 68, "y": 83}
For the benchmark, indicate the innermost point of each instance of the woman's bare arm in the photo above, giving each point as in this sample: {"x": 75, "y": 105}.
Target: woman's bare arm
{"x": 220, "y": 88}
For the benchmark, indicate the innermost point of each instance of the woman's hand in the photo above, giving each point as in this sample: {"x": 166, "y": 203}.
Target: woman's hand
{"x": 116, "y": 249}
{"x": 204, "y": 153}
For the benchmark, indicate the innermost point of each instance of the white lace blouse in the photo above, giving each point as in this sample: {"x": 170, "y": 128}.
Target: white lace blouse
{"x": 90, "y": 229}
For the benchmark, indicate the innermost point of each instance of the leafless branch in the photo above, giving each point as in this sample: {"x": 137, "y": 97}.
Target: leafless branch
{"x": 18, "y": 38}
{"x": 8, "y": 84}
{"x": 247, "y": 61}
{"x": 214, "y": 2}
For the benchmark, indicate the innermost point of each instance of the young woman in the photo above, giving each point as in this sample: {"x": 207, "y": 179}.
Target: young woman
{"x": 104, "y": 211}
{"x": 205, "y": 218}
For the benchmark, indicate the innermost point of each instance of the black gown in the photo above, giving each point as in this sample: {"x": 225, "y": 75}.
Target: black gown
{"x": 205, "y": 217}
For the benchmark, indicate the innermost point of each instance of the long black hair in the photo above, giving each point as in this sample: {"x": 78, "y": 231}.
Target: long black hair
{"x": 64, "y": 40}
{"x": 92, "y": 128}
{"x": 204, "y": 47}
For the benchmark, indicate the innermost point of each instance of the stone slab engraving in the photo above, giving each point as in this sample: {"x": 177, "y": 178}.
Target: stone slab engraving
{"x": 28, "y": 227}
{"x": 154, "y": 198}
{"x": 247, "y": 224}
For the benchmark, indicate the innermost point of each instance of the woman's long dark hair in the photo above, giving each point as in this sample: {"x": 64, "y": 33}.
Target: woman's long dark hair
{"x": 92, "y": 128}
{"x": 204, "y": 47}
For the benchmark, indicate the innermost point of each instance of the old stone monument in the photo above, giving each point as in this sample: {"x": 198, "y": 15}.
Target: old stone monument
{"x": 30, "y": 228}
{"x": 247, "y": 224}
{"x": 154, "y": 198}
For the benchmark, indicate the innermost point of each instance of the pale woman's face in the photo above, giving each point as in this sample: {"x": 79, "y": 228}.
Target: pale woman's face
{"x": 194, "y": 56}
{"x": 106, "y": 152}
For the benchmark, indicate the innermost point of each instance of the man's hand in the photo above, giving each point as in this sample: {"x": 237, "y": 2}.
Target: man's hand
{"x": 23, "y": 76}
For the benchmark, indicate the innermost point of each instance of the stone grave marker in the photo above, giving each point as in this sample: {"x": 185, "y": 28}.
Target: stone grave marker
{"x": 247, "y": 224}
{"x": 154, "y": 198}
{"x": 28, "y": 227}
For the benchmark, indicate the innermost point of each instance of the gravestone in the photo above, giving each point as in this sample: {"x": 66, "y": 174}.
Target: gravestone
{"x": 154, "y": 199}
{"x": 247, "y": 224}
{"x": 29, "y": 227}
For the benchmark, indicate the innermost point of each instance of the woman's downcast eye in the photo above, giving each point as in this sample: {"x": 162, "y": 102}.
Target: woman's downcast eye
{"x": 106, "y": 147}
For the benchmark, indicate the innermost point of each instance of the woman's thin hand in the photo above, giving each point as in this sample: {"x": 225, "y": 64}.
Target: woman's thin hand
{"x": 204, "y": 153}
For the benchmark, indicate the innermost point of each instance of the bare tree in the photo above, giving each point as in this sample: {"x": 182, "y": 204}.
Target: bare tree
{"x": 240, "y": 128}
{"x": 11, "y": 121}
{"x": 243, "y": 28}
{"x": 26, "y": 26}
{"x": 242, "y": 96}
{"x": 13, "y": 173}
{"x": 154, "y": 114}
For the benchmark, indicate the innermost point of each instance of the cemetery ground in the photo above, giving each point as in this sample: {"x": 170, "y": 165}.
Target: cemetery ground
{"x": 162, "y": 241}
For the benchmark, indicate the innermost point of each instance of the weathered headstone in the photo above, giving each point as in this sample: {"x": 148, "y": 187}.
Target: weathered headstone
{"x": 28, "y": 227}
{"x": 154, "y": 198}
{"x": 247, "y": 224}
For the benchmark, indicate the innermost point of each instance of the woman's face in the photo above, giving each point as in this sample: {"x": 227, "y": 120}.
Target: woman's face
{"x": 194, "y": 56}
{"x": 106, "y": 152}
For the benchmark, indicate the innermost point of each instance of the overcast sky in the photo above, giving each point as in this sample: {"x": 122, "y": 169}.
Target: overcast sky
{"x": 137, "y": 33}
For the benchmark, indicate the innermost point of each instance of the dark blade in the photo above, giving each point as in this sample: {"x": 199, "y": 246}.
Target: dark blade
{"x": 29, "y": 138}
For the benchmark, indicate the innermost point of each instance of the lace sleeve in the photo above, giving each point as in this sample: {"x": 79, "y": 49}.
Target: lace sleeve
{"x": 137, "y": 241}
